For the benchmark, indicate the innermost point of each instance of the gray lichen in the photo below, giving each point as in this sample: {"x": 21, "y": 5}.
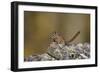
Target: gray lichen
{"x": 66, "y": 52}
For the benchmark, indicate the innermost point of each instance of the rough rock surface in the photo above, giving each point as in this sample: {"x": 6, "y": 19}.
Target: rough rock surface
{"x": 63, "y": 52}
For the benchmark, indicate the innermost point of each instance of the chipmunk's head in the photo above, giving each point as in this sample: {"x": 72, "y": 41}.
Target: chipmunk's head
{"x": 57, "y": 37}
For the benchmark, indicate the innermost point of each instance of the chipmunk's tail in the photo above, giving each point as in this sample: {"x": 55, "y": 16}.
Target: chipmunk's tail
{"x": 74, "y": 37}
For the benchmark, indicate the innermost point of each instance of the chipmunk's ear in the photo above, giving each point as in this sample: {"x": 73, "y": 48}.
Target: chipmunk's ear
{"x": 55, "y": 33}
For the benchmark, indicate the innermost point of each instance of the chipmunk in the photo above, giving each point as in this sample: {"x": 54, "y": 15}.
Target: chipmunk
{"x": 59, "y": 39}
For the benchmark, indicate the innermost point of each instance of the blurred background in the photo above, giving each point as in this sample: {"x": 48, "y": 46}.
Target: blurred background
{"x": 39, "y": 26}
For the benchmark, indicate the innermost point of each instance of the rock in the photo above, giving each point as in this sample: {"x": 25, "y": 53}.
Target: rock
{"x": 46, "y": 57}
{"x": 63, "y": 52}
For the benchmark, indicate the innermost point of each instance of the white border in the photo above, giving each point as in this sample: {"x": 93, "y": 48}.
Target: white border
{"x": 22, "y": 64}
